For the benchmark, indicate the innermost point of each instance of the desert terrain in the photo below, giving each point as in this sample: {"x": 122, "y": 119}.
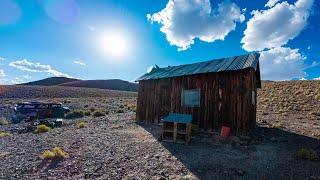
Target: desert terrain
{"x": 113, "y": 146}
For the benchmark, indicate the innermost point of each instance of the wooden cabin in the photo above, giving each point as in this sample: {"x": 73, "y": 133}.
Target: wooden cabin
{"x": 220, "y": 92}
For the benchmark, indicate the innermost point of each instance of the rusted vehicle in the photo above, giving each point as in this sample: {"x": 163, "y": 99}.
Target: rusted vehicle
{"x": 29, "y": 111}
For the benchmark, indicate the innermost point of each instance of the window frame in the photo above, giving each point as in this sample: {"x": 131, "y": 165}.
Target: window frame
{"x": 183, "y": 104}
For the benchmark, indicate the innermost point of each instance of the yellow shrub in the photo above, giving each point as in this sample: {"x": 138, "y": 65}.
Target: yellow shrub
{"x": 81, "y": 125}
{"x": 48, "y": 154}
{"x": 4, "y": 134}
{"x": 57, "y": 153}
{"x": 3, "y": 121}
{"x": 42, "y": 128}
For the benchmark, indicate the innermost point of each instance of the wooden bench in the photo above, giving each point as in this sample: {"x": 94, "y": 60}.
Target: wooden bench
{"x": 175, "y": 127}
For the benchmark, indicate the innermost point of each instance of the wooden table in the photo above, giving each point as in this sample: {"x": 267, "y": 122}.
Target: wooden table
{"x": 174, "y": 126}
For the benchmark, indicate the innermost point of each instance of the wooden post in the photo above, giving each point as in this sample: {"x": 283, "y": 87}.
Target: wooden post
{"x": 188, "y": 133}
{"x": 175, "y": 132}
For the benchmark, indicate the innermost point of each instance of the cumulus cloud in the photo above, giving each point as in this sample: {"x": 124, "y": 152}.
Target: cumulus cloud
{"x": 26, "y": 65}
{"x": 2, "y": 74}
{"x": 2, "y": 58}
{"x": 316, "y": 78}
{"x": 282, "y": 64}
{"x": 271, "y": 3}
{"x": 79, "y": 62}
{"x": 183, "y": 21}
{"x": 275, "y": 26}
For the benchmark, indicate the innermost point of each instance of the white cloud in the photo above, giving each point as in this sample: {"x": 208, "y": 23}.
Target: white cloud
{"x": 2, "y": 74}
{"x": 275, "y": 26}
{"x": 2, "y": 58}
{"x": 79, "y": 62}
{"x": 271, "y": 3}
{"x": 309, "y": 47}
{"x": 316, "y": 78}
{"x": 26, "y": 65}
{"x": 282, "y": 64}
{"x": 183, "y": 21}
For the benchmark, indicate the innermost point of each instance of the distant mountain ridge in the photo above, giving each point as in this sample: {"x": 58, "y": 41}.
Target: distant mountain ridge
{"x": 112, "y": 84}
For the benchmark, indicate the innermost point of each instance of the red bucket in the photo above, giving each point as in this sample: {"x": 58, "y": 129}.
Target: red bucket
{"x": 225, "y": 132}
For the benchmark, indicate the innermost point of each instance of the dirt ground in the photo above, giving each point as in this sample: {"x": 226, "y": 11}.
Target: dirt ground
{"x": 115, "y": 147}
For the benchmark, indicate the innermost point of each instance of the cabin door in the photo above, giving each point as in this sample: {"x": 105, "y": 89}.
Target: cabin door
{"x": 165, "y": 98}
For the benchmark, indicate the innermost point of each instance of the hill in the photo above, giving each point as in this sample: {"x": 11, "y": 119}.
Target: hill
{"x": 112, "y": 84}
{"x": 52, "y": 81}
{"x": 31, "y": 92}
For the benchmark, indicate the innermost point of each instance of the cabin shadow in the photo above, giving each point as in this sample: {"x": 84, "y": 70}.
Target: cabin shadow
{"x": 265, "y": 153}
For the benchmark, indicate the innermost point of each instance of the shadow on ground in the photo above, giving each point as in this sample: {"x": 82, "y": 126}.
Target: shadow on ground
{"x": 268, "y": 154}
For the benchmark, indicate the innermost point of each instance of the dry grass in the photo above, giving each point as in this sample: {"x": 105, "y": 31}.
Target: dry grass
{"x": 42, "y": 128}
{"x": 56, "y": 153}
{"x": 4, "y": 134}
{"x": 75, "y": 114}
{"x": 3, "y": 121}
{"x": 81, "y": 124}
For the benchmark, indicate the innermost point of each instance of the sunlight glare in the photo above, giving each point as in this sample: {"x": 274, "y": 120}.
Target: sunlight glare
{"x": 114, "y": 44}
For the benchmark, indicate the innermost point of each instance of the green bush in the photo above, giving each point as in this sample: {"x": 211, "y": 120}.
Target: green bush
{"x": 42, "y": 128}
{"x": 92, "y": 109}
{"x": 98, "y": 114}
{"x": 75, "y": 114}
{"x": 308, "y": 154}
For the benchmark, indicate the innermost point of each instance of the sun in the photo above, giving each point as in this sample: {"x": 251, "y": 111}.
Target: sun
{"x": 114, "y": 44}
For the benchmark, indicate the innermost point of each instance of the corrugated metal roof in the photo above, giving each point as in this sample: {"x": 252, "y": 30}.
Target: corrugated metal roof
{"x": 216, "y": 65}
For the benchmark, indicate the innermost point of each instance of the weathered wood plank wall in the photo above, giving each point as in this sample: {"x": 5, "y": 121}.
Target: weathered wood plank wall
{"x": 226, "y": 99}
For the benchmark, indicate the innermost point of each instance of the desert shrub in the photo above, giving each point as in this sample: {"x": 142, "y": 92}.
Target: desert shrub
{"x": 59, "y": 153}
{"x": 81, "y": 124}
{"x": 120, "y": 111}
{"x": 307, "y": 154}
{"x": 92, "y": 109}
{"x": 48, "y": 154}
{"x": 98, "y": 114}
{"x": 107, "y": 112}
{"x": 3, "y": 121}
{"x": 276, "y": 126}
{"x": 86, "y": 106}
{"x": 56, "y": 153}
{"x": 87, "y": 113}
{"x": 4, "y": 134}
{"x": 75, "y": 114}
{"x": 121, "y": 106}
{"x": 42, "y": 128}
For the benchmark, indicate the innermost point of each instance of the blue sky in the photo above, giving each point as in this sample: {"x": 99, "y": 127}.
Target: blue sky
{"x": 122, "y": 38}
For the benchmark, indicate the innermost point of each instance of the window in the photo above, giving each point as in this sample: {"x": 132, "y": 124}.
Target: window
{"x": 190, "y": 98}
{"x": 253, "y": 96}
